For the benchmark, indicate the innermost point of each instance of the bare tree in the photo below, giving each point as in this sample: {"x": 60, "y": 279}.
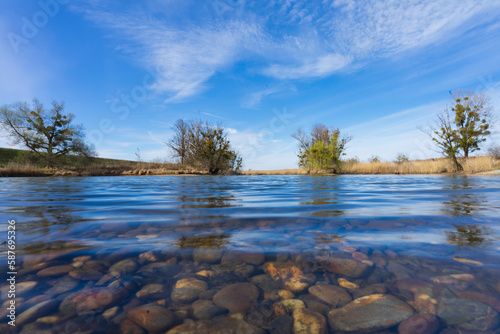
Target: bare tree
{"x": 321, "y": 133}
{"x": 445, "y": 136}
{"x": 179, "y": 142}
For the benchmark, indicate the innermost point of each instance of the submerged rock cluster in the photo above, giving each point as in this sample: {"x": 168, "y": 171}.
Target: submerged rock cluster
{"x": 214, "y": 291}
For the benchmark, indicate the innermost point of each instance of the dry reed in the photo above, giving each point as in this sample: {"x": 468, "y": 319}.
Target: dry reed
{"x": 17, "y": 169}
{"x": 431, "y": 166}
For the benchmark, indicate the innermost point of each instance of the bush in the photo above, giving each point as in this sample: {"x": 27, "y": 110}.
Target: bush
{"x": 322, "y": 149}
{"x": 494, "y": 151}
{"x": 374, "y": 159}
{"x": 203, "y": 145}
{"x": 401, "y": 158}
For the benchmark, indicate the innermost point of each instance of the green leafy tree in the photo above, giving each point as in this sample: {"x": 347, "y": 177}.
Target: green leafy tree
{"x": 472, "y": 120}
{"x": 462, "y": 127}
{"x": 322, "y": 149}
{"x": 216, "y": 152}
{"x": 48, "y": 133}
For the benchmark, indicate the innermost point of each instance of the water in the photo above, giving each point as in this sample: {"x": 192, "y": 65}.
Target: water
{"x": 429, "y": 242}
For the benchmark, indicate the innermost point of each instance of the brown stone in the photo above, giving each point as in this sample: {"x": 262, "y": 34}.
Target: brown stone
{"x": 419, "y": 324}
{"x": 55, "y": 271}
{"x": 223, "y": 325}
{"x": 292, "y": 277}
{"x": 82, "y": 302}
{"x": 152, "y": 291}
{"x": 129, "y": 327}
{"x": 236, "y": 297}
{"x": 236, "y": 257}
{"x": 37, "y": 311}
{"x": 344, "y": 266}
{"x": 308, "y": 322}
{"x": 21, "y": 288}
{"x": 152, "y": 317}
{"x": 358, "y": 256}
{"x": 63, "y": 285}
{"x": 86, "y": 275}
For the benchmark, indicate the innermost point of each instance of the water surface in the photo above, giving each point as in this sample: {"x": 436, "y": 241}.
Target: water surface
{"x": 409, "y": 232}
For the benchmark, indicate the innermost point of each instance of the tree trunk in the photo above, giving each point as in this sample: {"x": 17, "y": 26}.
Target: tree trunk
{"x": 457, "y": 165}
{"x": 49, "y": 156}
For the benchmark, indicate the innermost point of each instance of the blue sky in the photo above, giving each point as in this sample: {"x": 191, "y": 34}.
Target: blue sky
{"x": 129, "y": 69}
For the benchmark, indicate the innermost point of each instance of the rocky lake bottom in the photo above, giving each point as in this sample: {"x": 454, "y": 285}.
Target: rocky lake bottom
{"x": 266, "y": 254}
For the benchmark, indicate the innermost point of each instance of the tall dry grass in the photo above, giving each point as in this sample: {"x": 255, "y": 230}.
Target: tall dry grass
{"x": 432, "y": 166}
{"x": 297, "y": 171}
{"x": 18, "y": 169}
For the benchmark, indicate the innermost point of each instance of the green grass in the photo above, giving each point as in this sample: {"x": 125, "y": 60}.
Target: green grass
{"x": 9, "y": 155}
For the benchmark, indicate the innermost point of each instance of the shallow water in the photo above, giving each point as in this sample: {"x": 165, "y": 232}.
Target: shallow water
{"x": 90, "y": 252}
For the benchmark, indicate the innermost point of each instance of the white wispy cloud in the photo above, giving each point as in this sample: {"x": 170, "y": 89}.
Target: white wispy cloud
{"x": 313, "y": 68}
{"x": 289, "y": 40}
{"x": 252, "y": 100}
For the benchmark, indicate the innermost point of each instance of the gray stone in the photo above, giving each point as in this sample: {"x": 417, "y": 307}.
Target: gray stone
{"x": 124, "y": 267}
{"x": 369, "y": 314}
{"x": 152, "y": 291}
{"x": 207, "y": 255}
{"x": 37, "y": 311}
{"x": 187, "y": 290}
{"x": 331, "y": 294}
{"x": 468, "y": 314}
{"x": 204, "y": 309}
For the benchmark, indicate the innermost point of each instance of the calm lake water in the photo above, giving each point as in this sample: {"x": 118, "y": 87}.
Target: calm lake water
{"x": 253, "y": 254}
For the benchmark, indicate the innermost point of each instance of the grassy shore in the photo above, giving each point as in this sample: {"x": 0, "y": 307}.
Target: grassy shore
{"x": 472, "y": 165}
{"x": 21, "y": 163}
{"x": 13, "y": 163}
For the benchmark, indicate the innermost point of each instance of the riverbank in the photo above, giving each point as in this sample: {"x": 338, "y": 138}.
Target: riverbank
{"x": 21, "y": 170}
{"x": 482, "y": 165}
{"x": 473, "y": 165}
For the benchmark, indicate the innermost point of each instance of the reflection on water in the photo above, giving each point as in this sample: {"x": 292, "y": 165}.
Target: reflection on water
{"x": 472, "y": 235}
{"x": 250, "y": 254}
{"x": 211, "y": 241}
{"x": 463, "y": 199}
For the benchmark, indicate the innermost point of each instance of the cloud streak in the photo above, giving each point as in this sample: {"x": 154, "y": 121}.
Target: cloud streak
{"x": 299, "y": 40}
